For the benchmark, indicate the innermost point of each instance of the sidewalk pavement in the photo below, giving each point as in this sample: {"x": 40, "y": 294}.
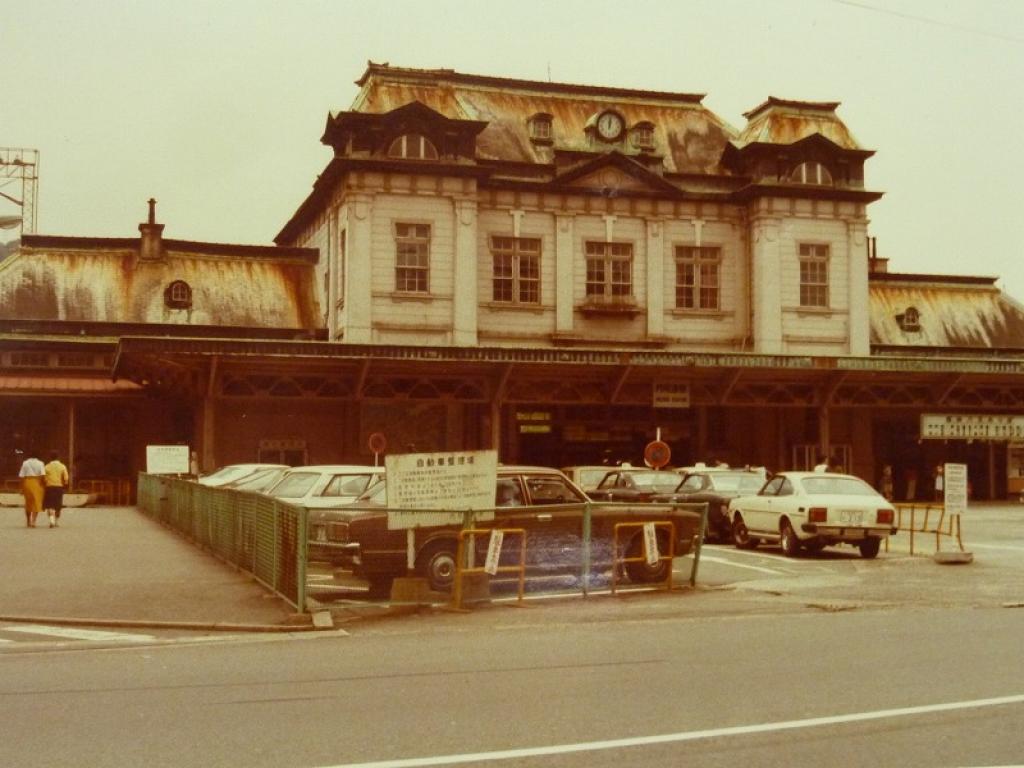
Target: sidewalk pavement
{"x": 114, "y": 565}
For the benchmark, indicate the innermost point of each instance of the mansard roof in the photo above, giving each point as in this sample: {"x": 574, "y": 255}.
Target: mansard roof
{"x": 106, "y": 280}
{"x": 952, "y": 312}
{"x": 688, "y": 135}
{"x": 786, "y": 122}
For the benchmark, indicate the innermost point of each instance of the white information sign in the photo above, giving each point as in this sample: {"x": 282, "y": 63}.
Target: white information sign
{"x": 971, "y": 426}
{"x": 954, "y": 488}
{"x": 167, "y": 459}
{"x": 651, "y": 544}
{"x": 428, "y": 489}
{"x": 494, "y": 552}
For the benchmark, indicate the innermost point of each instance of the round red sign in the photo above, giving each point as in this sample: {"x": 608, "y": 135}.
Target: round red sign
{"x": 378, "y": 443}
{"x": 657, "y": 454}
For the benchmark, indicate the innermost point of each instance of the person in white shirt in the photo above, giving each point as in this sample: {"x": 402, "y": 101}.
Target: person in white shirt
{"x": 822, "y": 465}
{"x": 31, "y": 474}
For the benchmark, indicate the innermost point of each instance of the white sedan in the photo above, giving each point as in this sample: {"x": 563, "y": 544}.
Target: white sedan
{"x": 813, "y": 510}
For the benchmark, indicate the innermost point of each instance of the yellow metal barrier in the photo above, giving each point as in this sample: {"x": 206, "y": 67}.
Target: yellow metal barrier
{"x": 924, "y": 513}
{"x": 616, "y": 560}
{"x": 460, "y": 558}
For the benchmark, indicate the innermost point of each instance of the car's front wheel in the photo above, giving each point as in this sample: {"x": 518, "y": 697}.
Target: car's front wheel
{"x": 437, "y": 564}
{"x": 741, "y": 536}
{"x": 869, "y": 547}
{"x": 788, "y": 541}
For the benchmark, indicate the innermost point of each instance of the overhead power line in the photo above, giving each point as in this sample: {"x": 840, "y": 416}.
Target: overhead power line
{"x": 929, "y": 20}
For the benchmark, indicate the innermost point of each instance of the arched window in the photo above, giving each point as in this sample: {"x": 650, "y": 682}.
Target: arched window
{"x": 910, "y": 320}
{"x": 178, "y": 295}
{"x": 413, "y": 146}
{"x": 811, "y": 173}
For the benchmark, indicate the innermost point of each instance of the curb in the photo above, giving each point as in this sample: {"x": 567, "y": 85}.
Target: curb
{"x": 149, "y": 624}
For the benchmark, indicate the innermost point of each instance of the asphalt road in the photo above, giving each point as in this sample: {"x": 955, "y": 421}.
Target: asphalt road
{"x": 828, "y": 660}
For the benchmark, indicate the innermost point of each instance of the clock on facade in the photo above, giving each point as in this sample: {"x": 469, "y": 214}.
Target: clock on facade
{"x": 609, "y": 125}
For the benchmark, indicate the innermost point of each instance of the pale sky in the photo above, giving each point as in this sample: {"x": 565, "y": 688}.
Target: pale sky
{"x": 216, "y": 108}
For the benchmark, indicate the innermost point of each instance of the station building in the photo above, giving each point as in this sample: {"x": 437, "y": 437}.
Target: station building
{"x": 561, "y": 272}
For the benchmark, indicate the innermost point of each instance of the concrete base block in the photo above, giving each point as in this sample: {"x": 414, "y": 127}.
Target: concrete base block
{"x": 953, "y": 558}
{"x": 323, "y": 620}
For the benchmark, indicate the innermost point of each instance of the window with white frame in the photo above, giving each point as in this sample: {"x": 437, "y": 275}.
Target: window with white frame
{"x": 516, "y": 269}
{"x": 178, "y": 295}
{"x": 609, "y": 271}
{"x": 643, "y": 135}
{"x": 413, "y": 146}
{"x": 811, "y": 173}
{"x": 698, "y": 284}
{"x": 540, "y": 126}
{"x": 813, "y": 275}
{"x": 412, "y": 258}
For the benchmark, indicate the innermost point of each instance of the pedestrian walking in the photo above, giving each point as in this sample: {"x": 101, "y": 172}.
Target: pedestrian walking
{"x": 56, "y": 480}
{"x": 31, "y": 474}
{"x": 939, "y": 484}
{"x": 887, "y": 482}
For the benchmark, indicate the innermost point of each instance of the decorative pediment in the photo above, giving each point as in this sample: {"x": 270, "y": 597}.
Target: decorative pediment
{"x": 614, "y": 173}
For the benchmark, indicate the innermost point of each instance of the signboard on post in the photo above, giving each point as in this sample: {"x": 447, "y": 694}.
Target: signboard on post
{"x": 494, "y": 552}
{"x": 445, "y": 485}
{"x": 167, "y": 459}
{"x": 954, "y": 488}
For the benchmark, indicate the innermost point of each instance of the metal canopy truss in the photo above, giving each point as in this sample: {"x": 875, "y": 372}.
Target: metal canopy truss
{"x": 300, "y": 369}
{"x": 21, "y": 165}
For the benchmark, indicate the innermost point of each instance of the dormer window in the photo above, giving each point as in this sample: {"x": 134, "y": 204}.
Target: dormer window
{"x": 540, "y": 127}
{"x": 178, "y": 295}
{"x": 412, "y": 146}
{"x": 811, "y": 173}
{"x": 910, "y": 320}
{"x": 642, "y": 135}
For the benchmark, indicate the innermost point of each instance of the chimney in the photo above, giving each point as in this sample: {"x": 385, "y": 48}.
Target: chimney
{"x": 152, "y": 246}
{"x": 876, "y": 265}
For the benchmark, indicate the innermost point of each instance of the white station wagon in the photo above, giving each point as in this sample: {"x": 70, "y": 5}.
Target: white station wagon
{"x": 813, "y": 510}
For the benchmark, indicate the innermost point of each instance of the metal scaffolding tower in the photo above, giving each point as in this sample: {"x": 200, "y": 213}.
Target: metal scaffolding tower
{"x": 20, "y": 164}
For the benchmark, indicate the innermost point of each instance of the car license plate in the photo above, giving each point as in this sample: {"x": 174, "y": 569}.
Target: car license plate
{"x": 851, "y": 516}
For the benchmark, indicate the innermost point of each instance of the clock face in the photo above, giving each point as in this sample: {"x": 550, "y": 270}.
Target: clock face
{"x": 609, "y": 125}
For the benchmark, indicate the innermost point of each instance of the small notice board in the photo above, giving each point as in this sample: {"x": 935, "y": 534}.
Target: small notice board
{"x": 426, "y": 489}
{"x": 955, "y": 488}
{"x": 167, "y": 459}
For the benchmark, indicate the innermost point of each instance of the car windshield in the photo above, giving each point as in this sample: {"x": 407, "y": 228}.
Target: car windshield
{"x": 837, "y": 486}
{"x": 259, "y": 481}
{"x": 294, "y": 485}
{"x": 652, "y": 480}
{"x": 225, "y": 474}
{"x": 737, "y": 481}
{"x": 588, "y": 478}
{"x": 347, "y": 485}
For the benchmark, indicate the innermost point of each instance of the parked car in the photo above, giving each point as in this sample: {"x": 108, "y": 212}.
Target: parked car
{"x": 259, "y": 481}
{"x": 813, "y": 510}
{"x": 629, "y": 484}
{"x": 717, "y": 486}
{"x": 539, "y": 499}
{"x": 234, "y": 472}
{"x": 587, "y": 477}
{"x": 324, "y": 486}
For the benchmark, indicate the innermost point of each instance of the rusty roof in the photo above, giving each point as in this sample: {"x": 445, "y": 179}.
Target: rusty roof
{"x": 104, "y": 280}
{"x": 784, "y": 121}
{"x": 65, "y": 384}
{"x": 953, "y": 312}
{"x": 689, "y": 136}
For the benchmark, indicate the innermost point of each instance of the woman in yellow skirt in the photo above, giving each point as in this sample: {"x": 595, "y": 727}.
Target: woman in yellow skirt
{"x": 32, "y": 487}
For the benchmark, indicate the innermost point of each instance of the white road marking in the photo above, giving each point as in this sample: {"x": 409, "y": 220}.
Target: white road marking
{"x": 72, "y": 633}
{"x": 769, "y": 556}
{"x": 707, "y": 558}
{"x": 669, "y": 738}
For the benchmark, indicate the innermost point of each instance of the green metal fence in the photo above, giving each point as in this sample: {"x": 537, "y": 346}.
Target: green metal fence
{"x": 258, "y": 534}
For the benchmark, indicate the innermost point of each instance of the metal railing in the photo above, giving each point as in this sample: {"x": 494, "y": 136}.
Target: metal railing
{"x": 927, "y": 519}
{"x": 256, "y": 533}
{"x": 460, "y": 558}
